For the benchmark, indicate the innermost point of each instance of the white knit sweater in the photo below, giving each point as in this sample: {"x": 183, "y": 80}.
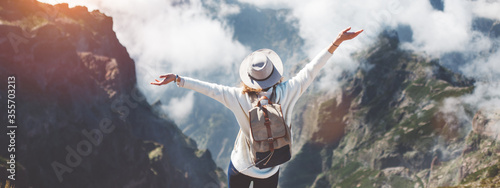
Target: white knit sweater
{"x": 287, "y": 94}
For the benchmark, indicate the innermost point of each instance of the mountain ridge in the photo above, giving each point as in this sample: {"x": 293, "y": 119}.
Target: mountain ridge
{"x": 385, "y": 127}
{"x": 82, "y": 122}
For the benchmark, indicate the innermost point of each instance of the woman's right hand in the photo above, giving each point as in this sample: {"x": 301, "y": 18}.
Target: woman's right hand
{"x": 167, "y": 78}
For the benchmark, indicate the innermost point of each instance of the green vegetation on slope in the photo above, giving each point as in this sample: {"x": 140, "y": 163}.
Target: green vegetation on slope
{"x": 392, "y": 122}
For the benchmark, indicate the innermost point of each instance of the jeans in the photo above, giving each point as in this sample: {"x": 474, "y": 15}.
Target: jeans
{"x": 239, "y": 180}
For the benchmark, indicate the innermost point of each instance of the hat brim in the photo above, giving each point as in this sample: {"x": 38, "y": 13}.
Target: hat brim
{"x": 269, "y": 82}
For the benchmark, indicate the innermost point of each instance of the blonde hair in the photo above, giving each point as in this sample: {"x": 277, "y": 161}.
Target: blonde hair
{"x": 247, "y": 89}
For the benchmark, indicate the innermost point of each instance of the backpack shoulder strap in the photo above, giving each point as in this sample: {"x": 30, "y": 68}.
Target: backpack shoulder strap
{"x": 254, "y": 98}
{"x": 273, "y": 95}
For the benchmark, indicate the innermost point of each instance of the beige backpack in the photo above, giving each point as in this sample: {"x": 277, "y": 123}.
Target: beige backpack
{"x": 270, "y": 142}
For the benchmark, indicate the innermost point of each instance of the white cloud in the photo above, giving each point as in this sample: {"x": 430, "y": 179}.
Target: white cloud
{"x": 434, "y": 32}
{"x": 486, "y": 96}
{"x": 484, "y": 69}
{"x": 453, "y": 110}
{"x": 320, "y": 21}
{"x": 276, "y": 4}
{"x": 165, "y": 38}
{"x": 181, "y": 39}
{"x": 223, "y": 9}
{"x": 487, "y": 9}
{"x": 180, "y": 108}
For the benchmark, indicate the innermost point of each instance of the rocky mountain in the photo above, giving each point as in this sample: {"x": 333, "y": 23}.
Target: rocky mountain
{"x": 81, "y": 121}
{"x": 385, "y": 128}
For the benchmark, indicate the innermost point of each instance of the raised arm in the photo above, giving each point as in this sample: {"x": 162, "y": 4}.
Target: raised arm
{"x": 304, "y": 78}
{"x": 228, "y": 96}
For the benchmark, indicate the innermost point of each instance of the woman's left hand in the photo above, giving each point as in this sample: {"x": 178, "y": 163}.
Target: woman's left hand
{"x": 346, "y": 35}
{"x": 343, "y": 36}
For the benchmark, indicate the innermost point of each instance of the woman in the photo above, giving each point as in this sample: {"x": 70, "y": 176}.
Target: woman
{"x": 261, "y": 73}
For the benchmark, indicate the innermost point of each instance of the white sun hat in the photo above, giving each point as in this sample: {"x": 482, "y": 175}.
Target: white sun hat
{"x": 261, "y": 69}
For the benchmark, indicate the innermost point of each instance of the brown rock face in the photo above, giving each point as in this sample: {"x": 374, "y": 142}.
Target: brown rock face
{"x": 487, "y": 122}
{"x": 81, "y": 120}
